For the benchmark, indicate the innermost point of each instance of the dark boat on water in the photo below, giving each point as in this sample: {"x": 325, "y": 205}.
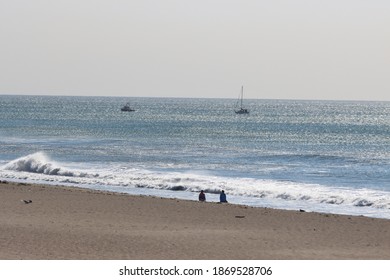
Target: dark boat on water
{"x": 127, "y": 108}
{"x": 242, "y": 110}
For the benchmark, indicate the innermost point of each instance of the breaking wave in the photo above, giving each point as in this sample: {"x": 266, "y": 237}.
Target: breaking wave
{"x": 40, "y": 163}
{"x": 38, "y": 167}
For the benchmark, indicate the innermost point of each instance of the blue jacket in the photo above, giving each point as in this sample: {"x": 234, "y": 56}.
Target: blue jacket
{"x": 222, "y": 197}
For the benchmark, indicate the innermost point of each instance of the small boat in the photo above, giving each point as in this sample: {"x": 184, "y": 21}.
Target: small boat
{"x": 127, "y": 108}
{"x": 242, "y": 110}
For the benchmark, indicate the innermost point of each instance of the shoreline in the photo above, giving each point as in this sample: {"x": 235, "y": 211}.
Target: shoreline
{"x": 76, "y": 223}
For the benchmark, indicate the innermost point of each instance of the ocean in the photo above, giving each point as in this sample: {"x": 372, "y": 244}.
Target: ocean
{"x": 322, "y": 156}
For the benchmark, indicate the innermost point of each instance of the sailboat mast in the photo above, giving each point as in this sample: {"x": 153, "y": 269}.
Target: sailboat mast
{"x": 242, "y": 94}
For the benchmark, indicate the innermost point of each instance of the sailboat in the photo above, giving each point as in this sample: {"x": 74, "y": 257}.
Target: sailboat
{"x": 241, "y": 98}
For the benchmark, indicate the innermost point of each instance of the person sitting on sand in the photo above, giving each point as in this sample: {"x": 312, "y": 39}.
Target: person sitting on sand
{"x": 202, "y": 196}
{"x": 222, "y": 197}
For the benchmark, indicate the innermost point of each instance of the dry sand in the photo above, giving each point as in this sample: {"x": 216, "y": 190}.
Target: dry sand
{"x": 70, "y": 223}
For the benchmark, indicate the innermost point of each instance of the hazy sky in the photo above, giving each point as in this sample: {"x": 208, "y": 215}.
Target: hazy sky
{"x": 289, "y": 49}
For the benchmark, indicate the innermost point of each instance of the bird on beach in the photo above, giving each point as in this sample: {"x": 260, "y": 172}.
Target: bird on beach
{"x": 27, "y": 201}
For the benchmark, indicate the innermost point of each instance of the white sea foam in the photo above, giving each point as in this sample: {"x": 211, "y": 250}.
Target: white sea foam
{"x": 38, "y": 167}
{"x": 41, "y": 164}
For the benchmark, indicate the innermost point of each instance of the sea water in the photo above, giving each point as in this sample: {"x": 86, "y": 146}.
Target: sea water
{"x": 324, "y": 156}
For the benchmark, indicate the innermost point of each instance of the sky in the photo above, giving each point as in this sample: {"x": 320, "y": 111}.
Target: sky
{"x": 276, "y": 49}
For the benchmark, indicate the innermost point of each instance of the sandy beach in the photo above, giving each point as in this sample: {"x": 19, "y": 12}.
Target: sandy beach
{"x": 71, "y": 223}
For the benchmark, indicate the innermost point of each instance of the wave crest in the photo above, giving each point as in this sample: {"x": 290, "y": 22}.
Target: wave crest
{"x": 40, "y": 163}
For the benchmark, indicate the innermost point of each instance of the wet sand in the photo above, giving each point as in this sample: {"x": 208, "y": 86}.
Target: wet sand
{"x": 70, "y": 223}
